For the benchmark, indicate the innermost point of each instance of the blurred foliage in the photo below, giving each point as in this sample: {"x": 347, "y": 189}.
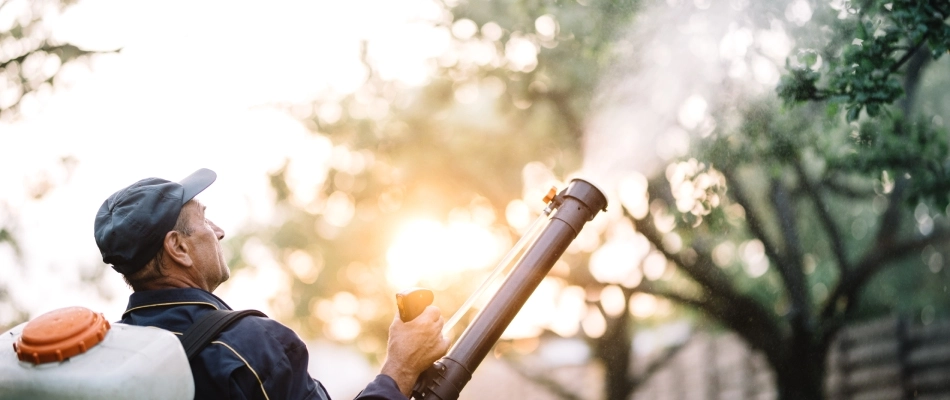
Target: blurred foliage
{"x": 30, "y": 58}
{"x": 796, "y": 221}
{"x": 507, "y": 101}
{"x": 786, "y": 229}
{"x": 896, "y": 147}
{"x": 781, "y": 227}
{"x": 863, "y": 64}
{"x": 38, "y": 186}
{"x": 871, "y": 41}
{"x": 30, "y": 61}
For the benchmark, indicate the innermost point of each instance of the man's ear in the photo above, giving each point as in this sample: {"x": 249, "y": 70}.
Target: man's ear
{"x": 177, "y": 249}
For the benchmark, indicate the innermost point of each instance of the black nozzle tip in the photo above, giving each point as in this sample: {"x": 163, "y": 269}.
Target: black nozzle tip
{"x": 587, "y": 193}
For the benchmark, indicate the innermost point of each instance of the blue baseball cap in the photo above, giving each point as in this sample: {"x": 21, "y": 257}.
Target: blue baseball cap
{"x": 131, "y": 224}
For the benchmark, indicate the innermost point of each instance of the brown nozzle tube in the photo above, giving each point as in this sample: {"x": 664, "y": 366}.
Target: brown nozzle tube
{"x": 573, "y": 207}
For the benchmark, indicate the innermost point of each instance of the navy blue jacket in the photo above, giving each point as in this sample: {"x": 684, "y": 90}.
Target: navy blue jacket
{"x": 254, "y": 358}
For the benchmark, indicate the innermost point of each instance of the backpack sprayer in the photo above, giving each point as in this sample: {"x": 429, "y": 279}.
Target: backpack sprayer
{"x": 540, "y": 247}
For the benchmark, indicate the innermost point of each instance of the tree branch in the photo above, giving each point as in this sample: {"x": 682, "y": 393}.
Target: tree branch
{"x": 743, "y": 317}
{"x": 661, "y": 362}
{"x": 910, "y": 53}
{"x": 65, "y": 52}
{"x": 751, "y": 216}
{"x": 790, "y": 267}
{"x": 831, "y": 229}
{"x": 707, "y": 275}
{"x": 920, "y": 58}
{"x": 842, "y": 189}
{"x": 720, "y": 300}
{"x": 873, "y": 262}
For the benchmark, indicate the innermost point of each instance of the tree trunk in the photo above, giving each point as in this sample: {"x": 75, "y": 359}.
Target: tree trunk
{"x": 801, "y": 376}
{"x": 613, "y": 349}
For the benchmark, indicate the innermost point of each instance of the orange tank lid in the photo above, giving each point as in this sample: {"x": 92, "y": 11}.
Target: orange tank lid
{"x": 60, "y": 334}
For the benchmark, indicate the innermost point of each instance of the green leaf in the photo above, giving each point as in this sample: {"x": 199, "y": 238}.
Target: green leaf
{"x": 831, "y": 110}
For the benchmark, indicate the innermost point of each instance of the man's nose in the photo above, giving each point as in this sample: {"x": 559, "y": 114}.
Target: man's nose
{"x": 217, "y": 230}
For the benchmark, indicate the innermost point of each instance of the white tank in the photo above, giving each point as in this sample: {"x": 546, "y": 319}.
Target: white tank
{"x": 73, "y": 353}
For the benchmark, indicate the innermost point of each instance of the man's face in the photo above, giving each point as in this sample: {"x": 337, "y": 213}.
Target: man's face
{"x": 205, "y": 246}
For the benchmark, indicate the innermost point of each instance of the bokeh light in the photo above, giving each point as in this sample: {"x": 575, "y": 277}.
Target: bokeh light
{"x": 425, "y": 252}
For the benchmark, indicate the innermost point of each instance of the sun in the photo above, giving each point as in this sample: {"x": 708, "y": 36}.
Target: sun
{"x": 426, "y": 252}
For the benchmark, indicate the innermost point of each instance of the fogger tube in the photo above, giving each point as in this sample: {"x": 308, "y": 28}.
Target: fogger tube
{"x": 576, "y": 205}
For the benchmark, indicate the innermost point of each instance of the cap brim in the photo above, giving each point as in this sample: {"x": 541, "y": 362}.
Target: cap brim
{"x": 196, "y": 182}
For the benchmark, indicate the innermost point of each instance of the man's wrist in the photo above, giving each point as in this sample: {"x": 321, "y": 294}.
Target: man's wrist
{"x": 404, "y": 378}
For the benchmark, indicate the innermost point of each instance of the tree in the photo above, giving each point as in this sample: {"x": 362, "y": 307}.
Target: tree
{"x": 786, "y": 185}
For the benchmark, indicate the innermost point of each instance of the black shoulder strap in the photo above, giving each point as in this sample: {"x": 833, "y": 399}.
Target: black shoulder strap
{"x": 206, "y": 328}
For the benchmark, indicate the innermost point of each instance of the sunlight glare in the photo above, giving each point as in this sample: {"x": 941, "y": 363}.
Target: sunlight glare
{"x": 522, "y": 53}
{"x": 735, "y": 44}
{"x": 410, "y": 64}
{"x": 753, "y": 256}
{"x": 339, "y": 209}
{"x": 464, "y": 28}
{"x": 546, "y": 26}
{"x": 307, "y": 168}
{"x": 537, "y": 313}
{"x": 613, "y": 300}
{"x": 258, "y": 285}
{"x": 799, "y": 12}
{"x": 305, "y": 267}
{"x": 693, "y": 111}
{"x": 571, "y": 308}
{"x": 492, "y": 31}
{"x": 643, "y": 305}
{"x": 633, "y": 194}
{"x": 428, "y": 251}
{"x": 617, "y": 260}
{"x": 594, "y": 323}
{"x": 345, "y": 303}
{"x": 518, "y": 215}
{"x": 344, "y": 329}
{"x": 723, "y": 254}
{"x": 654, "y": 266}
{"x": 765, "y": 71}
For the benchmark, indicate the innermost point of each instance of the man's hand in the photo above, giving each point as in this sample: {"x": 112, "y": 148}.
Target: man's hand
{"x": 413, "y": 347}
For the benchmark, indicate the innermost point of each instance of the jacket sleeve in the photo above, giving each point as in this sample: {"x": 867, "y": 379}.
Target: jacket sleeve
{"x": 381, "y": 388}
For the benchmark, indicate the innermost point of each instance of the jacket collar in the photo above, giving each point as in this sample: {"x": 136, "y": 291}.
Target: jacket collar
{"x": 173, "y": 297}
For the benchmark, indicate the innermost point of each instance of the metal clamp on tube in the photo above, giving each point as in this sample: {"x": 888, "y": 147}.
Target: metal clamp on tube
{"x": 573, "y": 207}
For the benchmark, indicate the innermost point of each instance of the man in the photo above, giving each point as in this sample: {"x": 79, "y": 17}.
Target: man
{"x": 156, "y": 235}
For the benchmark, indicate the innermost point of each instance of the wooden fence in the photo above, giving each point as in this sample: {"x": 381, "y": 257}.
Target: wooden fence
{"x": 891, "y": 359}
{"x": 886, "y": 359}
